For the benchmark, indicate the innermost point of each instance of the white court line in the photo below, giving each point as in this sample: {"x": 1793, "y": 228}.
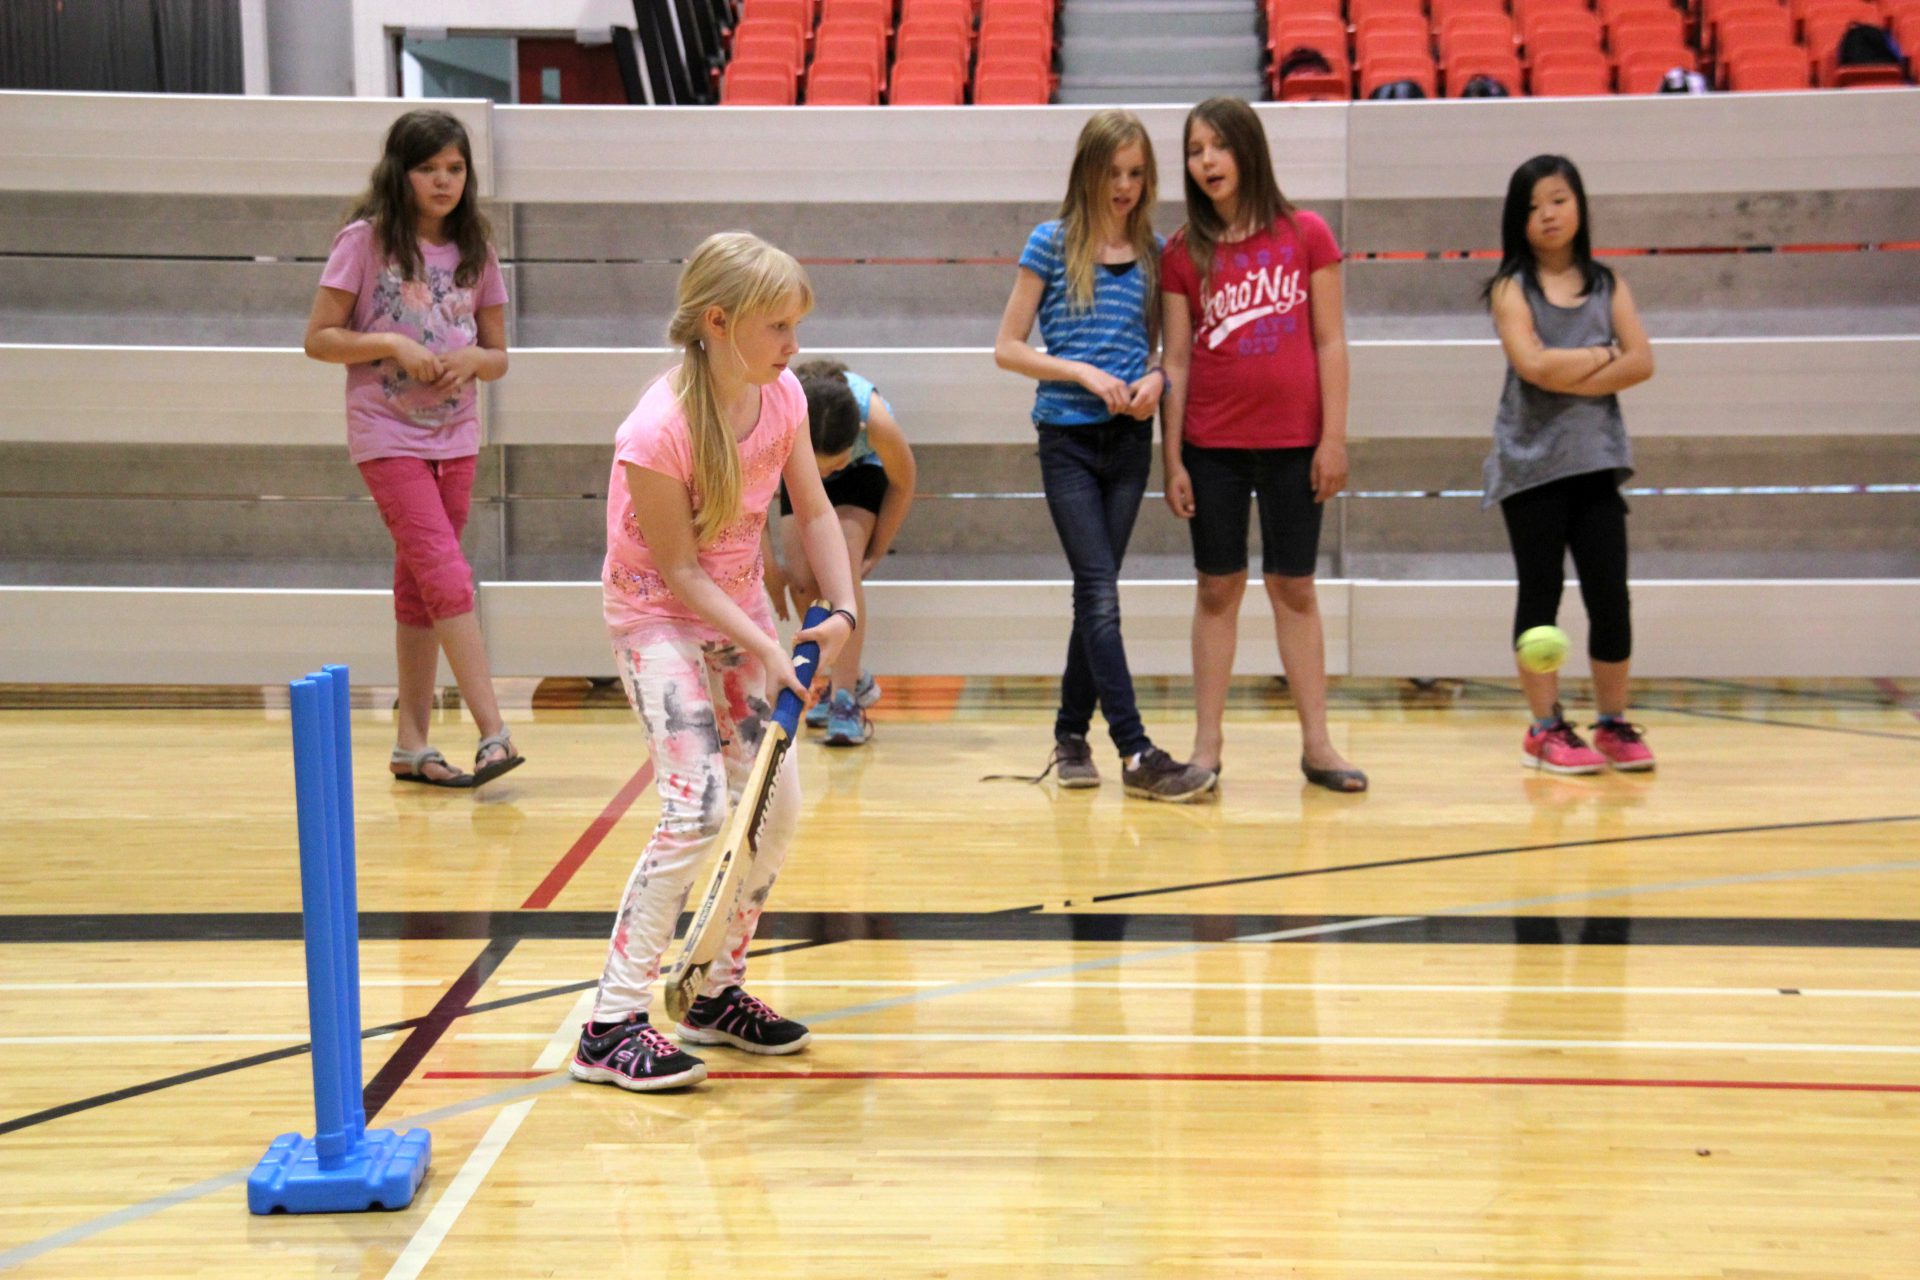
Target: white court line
{"x": 1437, "y": 1042}
{"x": 1431, "y": 1042}
{"x": 211, "y": 1037}
{"x": 1415, "y": 988}
{"x": 419, "y": 1251}
{"x": 567, "y": 1034}
{"x": 302, "y": 985}
{"x": 426, "y": 1241}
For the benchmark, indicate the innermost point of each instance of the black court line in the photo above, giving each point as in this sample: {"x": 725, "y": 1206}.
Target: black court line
{"x": 805, "y": 930}
{"x": 1786, "y": 724}
{"x": 1740, "y": 719}
{"x": 1310, "y": 872}
{"x": 1477, "y": 930}
{"x": 1865, "y": 701}
{"x": 452, "y": 1004}
{"x": 299, "y": 1050}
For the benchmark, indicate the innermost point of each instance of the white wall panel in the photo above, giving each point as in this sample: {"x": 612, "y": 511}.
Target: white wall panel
{"x": 206, "y": 144}
{"x": 170, "y": 395}
{"x": 908, "y": 155}
{"x": 1802, "y": 627}
{"x": 1701, "y": 628}
{"x": 945, "y": 395}
{"x": 1640, "y": 145}
{"x": 160, "y": 635}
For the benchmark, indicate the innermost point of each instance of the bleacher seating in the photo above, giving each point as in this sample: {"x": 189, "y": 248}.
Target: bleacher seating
{"x": 911, "y": 52}
{"x": 950, "y": 52}
{"x": 1560, "y": 48}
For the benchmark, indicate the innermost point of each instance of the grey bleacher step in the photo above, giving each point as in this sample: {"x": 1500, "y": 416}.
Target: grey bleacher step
{"x": 1187, "y": 57}
{"x": 1148, "y": 18}
{"x": 1123, "y": 91}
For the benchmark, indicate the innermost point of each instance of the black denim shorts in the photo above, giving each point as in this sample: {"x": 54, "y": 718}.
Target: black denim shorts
{"x": 1226, "y": 483}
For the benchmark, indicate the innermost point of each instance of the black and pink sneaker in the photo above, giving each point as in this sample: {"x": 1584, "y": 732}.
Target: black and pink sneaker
{"x": 633, "y": 1055}
{"x": 736, "y": 1018}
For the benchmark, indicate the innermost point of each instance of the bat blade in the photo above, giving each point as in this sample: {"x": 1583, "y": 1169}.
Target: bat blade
{"x": 741, "y": 840}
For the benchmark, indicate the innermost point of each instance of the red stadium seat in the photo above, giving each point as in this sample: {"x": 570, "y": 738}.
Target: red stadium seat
{"x": 1311, "y": 86}
{"x": 878, "y": 12}
{"x": 1016, "y": 44}
{"x": 1446, "y": 10}
{"x": 748, "y": 83}
{"x": 1763, "y": 70}
{"x": 1312, "y": 30}
{"x": 1390, "y": 68}
{"x": 841, "y": 85}
{"x": 931, "y": 40}
{"x": 1578, "y": 22}
{"x": 1476, "y": 30}
{"x": 1501, "y": 67}
{"x": 1634, "y": 24}
{"x": 1560, "y": 40}
{"x": 1876, "y": 76}
{"x": 1392, "y": 25}
{"x": 1394, "y": 45}
{"x": 770, "y": 40}
{"x": 1825, "y": 25}
{"x": 1644, "y": 70}
{"x": 919, "y": 82}
{"x": 839, "y": 39}
{"x": 1361, "y": 10}
{"x": 799, "y": 12}
{"x": 998, "y": 85}
{"x": 1572, "y": 75}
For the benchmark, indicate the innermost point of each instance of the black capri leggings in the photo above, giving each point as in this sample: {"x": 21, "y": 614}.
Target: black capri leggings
{"x": 1586, "y": 515}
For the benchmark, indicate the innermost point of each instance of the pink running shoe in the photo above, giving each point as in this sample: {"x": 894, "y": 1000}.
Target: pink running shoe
{"x": 1559, "y": 749}
{"x": 1623, "y": 745}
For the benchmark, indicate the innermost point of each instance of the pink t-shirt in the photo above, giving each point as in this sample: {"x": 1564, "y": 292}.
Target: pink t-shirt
{"x": 635, "y": 598}
{"x": 389, "y": 415}
{"x": 1255, "y": 378}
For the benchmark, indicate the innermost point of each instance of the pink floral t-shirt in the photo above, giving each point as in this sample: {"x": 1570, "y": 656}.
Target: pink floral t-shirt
{"x": 635, "y": 598}
{"x": 389, "y": 415}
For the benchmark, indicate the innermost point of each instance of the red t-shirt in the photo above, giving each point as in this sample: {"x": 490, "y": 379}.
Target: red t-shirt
{"x": 1255, "y": 379}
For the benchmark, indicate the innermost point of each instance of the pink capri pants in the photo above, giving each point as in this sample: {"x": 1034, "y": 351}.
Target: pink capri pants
{"x": 424, "y": 502}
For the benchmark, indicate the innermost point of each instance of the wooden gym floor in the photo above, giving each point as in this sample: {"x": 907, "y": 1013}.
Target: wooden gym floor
{"x": 1477, "y": 1023}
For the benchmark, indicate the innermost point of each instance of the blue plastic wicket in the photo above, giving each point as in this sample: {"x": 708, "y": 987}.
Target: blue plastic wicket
{"x": 344, "y": 1167}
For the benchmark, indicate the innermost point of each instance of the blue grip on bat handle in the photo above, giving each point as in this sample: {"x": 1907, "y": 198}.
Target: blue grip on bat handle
{"x": 806, "y": 660}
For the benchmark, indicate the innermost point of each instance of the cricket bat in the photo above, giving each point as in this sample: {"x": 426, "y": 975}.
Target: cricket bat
{"x": 741, "y": 840}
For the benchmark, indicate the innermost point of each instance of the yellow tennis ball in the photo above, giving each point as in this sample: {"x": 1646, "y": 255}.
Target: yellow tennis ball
{"x": 1541, "y": 649}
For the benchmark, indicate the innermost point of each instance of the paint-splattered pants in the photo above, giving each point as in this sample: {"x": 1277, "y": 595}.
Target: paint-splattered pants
{"x": 704, "y": 707}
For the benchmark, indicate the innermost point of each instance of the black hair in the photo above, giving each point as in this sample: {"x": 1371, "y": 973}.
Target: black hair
{"x": 833, "y": 415}
{"x": 1516, "y": 254}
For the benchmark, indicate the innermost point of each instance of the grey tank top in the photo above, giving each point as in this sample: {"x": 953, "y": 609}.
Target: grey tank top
{"x": 1542, "y": 436}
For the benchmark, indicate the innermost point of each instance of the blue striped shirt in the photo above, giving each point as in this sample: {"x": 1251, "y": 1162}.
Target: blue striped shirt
{"x": 1111, "y": 335}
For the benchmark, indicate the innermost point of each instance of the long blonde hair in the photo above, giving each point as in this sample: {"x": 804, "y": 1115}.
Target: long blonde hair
{"x": 1101, "y": 139}
{"x": 744, "y": 276}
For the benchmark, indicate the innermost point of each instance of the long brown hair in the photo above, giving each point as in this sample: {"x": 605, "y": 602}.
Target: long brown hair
{"x": 1259, "y": 202}
{"x": 1103, "y": 137}
{"x": 387, "y": 203}
{"x": 742, "y": 275}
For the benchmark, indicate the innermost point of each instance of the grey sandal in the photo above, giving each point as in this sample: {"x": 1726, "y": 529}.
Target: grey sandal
{"x": 485, "y": 771}
{"x": 1340, "y": 780}
{"x": 417, "y": 761}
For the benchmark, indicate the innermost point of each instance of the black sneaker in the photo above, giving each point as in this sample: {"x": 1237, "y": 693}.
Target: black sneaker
{"x": 634, "y": 1056}
{"x": 736, "y": 1018}
{"x": 1155, "y": 775}
{"x": 1073, "y": 761}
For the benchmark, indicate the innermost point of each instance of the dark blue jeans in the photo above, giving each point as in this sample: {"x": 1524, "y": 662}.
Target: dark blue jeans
{"x": 1094, "y": 477}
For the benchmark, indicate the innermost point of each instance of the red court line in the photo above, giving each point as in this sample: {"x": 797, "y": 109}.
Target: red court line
{"x": 573, "y": 859}
{"x": 1893, "y": 690}
{"x": 1221, "y": 1077}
